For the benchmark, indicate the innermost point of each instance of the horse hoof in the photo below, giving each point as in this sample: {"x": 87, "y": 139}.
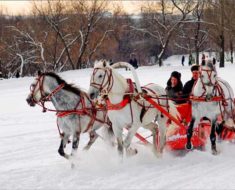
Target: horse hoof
{"x": 136, "y": 151}
{"x": 158, "y": 154}
{"x": 214, "y": 151}
{"x": 86, "y": 148}
{"x": 131, "y": 152}
{"x": 189, "y": 146}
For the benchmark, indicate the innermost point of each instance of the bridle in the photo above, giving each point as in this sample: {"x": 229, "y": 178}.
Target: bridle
{"x": 44, "y": 96}
{"x": 210, "y": 83}
{"x": 106, "y": 85}
{"x": 218, "y": 94}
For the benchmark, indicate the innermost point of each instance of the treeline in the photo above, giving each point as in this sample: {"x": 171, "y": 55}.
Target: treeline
{"x": 65, "y": 35}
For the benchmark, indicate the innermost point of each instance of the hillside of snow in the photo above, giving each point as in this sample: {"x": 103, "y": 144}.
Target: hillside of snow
{"x": 29, "y": 141}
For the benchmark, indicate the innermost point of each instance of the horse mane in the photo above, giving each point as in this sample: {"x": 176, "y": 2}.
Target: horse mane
{"x": 101, "y": 63}
{"x": 69, "y": 87}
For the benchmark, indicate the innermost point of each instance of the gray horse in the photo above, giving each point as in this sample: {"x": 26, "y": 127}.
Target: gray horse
{"x": 76, "y": 113}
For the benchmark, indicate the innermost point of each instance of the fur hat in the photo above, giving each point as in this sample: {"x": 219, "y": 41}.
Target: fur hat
{"x": 176, "y": 74}
{"x": 195, "y": 68}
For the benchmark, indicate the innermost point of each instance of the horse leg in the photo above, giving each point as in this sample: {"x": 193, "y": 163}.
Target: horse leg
{"x": 75, "y": 143}
{"x": 109, "y": 136}
{"x": 118, "y": 134}
{"x": 213, "y": 138}
{"x": 153, "y": 127}
{"x": 120, "y": 146}
{"x": 219, "y": 129}
{"x": 63, "y": 143}
{"x": 189, "y": 134}
{"x": 127, "y": 141}
{"x": 76, "y": 138}
{"x": 162, "y": 134}
{"x": 93, "y": 136}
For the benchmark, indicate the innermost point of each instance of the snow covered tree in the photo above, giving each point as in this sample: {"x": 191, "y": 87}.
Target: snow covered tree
{"x": 161, "y": 19}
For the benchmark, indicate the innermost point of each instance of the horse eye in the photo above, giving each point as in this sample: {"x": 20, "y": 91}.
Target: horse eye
{"x": 202, "y": 76}
{"x": 32, "y": 86}
{"x": 100, "y": 76}
{"x": 215, "y": 75}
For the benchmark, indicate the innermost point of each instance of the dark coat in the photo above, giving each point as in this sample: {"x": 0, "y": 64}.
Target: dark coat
{"x": 188, "y": 88}
{"x": 134, "y": 63}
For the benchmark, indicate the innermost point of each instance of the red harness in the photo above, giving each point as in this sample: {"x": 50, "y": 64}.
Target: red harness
{"x": 89, "y": 111}
{"x": 204, "y": 99}
{"x": 126, "y": 99}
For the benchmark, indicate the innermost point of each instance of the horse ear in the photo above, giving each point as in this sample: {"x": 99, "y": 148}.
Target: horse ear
{"x": 39, "y": 73}
{"x": 104, "y": 63}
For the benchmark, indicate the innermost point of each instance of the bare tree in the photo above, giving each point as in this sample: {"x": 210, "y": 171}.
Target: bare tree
{"x": 161, "y": 20}
{"x": 215, "y": 15}
{"x": 75, "y": 24}
{"x": 230, "y": 25}
{"x": 25, "y": 50}
{"x": 194, "y": 33}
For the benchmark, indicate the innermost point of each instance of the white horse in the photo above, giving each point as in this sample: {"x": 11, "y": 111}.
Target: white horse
{"x": 76, "y": 113}
{"x": 211, "y": 97}
{"x": 126, "y": 107}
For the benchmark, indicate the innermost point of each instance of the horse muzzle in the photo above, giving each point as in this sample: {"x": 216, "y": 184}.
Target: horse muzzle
{"x": 30, "y": 101}
{"x": 93, "y": 93}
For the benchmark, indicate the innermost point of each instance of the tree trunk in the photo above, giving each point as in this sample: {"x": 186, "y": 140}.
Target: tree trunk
{"x": 231, "y": 50}
{"x": 160, "y": 62}
{"x": 221, "y": 51}
{"x": 196, "y": 42}
{"x": 222, "y": 36}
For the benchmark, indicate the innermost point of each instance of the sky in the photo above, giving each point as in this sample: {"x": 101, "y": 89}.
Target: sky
{"x": 16, "y": 7}
{"x": 23, "y": 7}
{"x": 29, "y": 141}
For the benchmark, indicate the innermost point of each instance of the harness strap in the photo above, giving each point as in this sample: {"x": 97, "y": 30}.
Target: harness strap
{"x": 92, "y": 121}
{"x": 57, "y": 89}
{"x": 131, "y": 86}
{"x": 204, "y": 99}
{"x": 126, "y": 100}
{"x": 163, "y": 111}
{"x": 66, "y": 113}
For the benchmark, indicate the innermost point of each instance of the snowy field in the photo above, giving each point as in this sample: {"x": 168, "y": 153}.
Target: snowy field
{"x": 29, "y": 141}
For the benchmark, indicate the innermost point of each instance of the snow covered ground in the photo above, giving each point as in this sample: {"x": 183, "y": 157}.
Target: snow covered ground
{"x": 29, "y": 141}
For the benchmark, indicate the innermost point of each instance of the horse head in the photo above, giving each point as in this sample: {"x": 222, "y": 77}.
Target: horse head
{"x": 208, "y": 78}
{"x": 36, "y": 90}
{"x": 43, "y": 87}
{"x": 101, "y": 79}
